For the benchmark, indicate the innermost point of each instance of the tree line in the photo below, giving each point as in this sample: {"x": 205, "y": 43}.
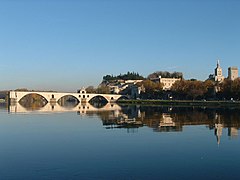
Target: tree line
{"x": 137, "y": 76}
{"x": 127, "y": 76}
{"x": 165, "y": 74}
{"x": 193, "y": 90}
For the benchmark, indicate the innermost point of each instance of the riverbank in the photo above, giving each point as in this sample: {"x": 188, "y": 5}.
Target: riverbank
{"x": 181, "y": 103}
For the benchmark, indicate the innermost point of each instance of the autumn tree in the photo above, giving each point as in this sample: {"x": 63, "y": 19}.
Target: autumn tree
{"x": 103, "y": 90}
{"x": 209, "y": 86}
{"x": 230, "y": 89}
{"x": 151, "y": 89}
{"x": 236, "y": 89}
{"x": 190, "y": 89}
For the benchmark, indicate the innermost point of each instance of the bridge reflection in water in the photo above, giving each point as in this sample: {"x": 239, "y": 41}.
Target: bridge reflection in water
{"x": 83, "y": 108}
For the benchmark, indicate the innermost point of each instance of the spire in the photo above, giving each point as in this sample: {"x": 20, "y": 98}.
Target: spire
{"x": 218, "y": 63}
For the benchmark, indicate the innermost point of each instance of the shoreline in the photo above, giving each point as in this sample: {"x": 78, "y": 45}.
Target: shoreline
{"x": 197, "y": 103}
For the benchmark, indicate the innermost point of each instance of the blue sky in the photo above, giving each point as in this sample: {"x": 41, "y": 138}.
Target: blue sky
{"x": 67, "y": 44}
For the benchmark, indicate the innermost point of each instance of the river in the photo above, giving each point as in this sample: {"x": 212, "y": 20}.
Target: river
{"x": 119, "y": 142}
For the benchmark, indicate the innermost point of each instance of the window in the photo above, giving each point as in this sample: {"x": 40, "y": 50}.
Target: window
{"x": 52, "y": 96}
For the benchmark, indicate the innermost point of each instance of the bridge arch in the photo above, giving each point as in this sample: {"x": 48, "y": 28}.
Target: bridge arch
{"x": 101, "y": 97}
{"x": 32, "y": 93}
{"x": 68, "y": 100}
{"x": 58, "y": 97}
{"x": 33, "y": 101}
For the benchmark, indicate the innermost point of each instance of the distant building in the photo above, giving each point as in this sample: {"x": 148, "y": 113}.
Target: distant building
{"x": 114, "y": 89}
{"x": 132, "y": 81}
{"x": 218, "y": 73}
{"x": 167, "y": 82}
{"x": 126, "y": 87}
{"x": 232, "y": 73}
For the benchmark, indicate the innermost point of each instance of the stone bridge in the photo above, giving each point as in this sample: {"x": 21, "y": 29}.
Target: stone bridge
{"x": 54, "y": 97}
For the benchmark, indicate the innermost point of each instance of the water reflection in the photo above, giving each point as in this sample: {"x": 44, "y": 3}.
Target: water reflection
{"x": 160, "y": 119}
{"x": 174, "y": 119}
{"x": 81, "y": 108}
{"x": 3, "y": 106}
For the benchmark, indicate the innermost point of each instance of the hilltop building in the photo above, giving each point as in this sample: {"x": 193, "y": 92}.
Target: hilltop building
{"x": 218, "y": 73}
{"x": 167, "y": 82}
{"x": 121, "y": 85}
{"x": 125, "y": 87}
{"x": 232, "y": 73}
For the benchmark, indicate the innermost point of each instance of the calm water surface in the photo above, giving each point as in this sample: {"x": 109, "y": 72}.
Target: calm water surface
{"x": 119, "y": 143}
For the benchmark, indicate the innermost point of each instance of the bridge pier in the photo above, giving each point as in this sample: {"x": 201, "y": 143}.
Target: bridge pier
{"x": 84, "y": 100}
{"x": 12, "y": 101}
{"x": 53, "y": 101}
{"x": 112, "y": 101}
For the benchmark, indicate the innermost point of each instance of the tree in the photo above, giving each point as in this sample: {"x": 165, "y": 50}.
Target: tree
{"x": 165, "y": 74}
{"x": 230, "y": 89}
{"x": 152, "y": 90}
{"x": 209, "y": 86}
{"x": 188, "y": 89}
{"x": 236, "y": 89}
{"x": 127, "y": 76}
{"x": 90, "y": 89}
{"x": 179, "y": 89}
{"x": 195, "y": 89}
{"x": 103, "y": 90}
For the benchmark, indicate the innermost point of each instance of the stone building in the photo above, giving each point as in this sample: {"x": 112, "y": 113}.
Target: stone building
{"x": 167, "y": 82}
{"x": 232, "y": 73}
{"x": 218, "y": 73}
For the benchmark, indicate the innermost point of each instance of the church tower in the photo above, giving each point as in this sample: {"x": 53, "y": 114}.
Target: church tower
{"x": 218, "y": 73}
{"x": 232, "y": 73}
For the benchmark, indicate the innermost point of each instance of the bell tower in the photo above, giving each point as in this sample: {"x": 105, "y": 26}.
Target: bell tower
{"x": 218, "y": 73}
